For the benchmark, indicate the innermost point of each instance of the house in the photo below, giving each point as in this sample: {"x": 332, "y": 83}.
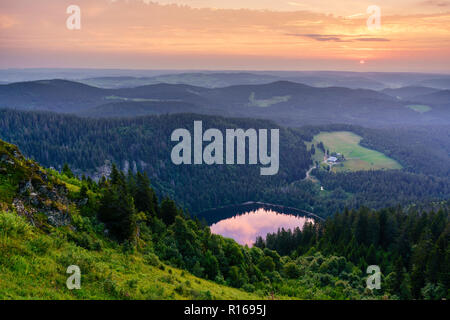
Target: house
{"x": 332, "y": 160}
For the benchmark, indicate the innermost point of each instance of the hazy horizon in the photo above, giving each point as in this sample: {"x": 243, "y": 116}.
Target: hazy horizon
{"x": 181, "y": 70}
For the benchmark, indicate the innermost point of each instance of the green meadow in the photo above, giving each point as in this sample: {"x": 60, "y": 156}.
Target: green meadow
{"x": 419, "y": 108}
{"x": 264, "y": 103}
{"x": 116, "y": 98}
{"x": 357, "y": 157}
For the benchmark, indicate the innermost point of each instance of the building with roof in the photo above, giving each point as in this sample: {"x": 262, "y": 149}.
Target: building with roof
{"x": 332, "y": 160}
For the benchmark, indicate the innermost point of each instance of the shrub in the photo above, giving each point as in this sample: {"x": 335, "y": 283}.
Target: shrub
{"x": 266, "y": 264}
{"x": 248, "y": 287}
{"x": 13, "y": 226}
{"x": 152, "y": 259}
{"x": 132, "y": 283}
{"x": 39, "y": 245}
{"x": 291, "y": 270}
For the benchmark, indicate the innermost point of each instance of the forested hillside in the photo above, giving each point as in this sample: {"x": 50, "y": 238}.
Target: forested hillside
{"x": 119, "y": 224}
{"x": 143, "y": 144}
{"x": 411, "y": 248}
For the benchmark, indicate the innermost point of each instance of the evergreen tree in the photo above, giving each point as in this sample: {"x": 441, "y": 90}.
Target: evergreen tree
{"x": 67, "y": 171}
{"x": 117, "y": 207}
{"x": 144, "y": 196}
{"x": 168, "y": 211}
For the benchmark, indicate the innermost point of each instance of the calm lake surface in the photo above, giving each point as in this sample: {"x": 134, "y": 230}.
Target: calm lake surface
{"x": 247, "y": 227}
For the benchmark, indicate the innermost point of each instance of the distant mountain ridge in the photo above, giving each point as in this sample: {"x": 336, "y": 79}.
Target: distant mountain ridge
{"x": 409, "y": 92}
{"x": 286, "y": 102}
{"x": 440, "y": 97}
{"x": 217, "y": 79}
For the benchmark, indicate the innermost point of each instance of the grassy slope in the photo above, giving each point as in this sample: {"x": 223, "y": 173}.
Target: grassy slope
{"x": 33, "y": 266}
{"x": 33, "y": 262}
{"x": 358, "y": 157}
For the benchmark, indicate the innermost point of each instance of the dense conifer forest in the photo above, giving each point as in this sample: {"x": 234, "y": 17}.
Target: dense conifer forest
{"x": 143, "y": 145}
{"x": 410, "y": 247}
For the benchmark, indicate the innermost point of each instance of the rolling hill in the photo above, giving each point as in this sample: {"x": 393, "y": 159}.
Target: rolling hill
{"x": 50, "y": 95}
{"x": 288, "y": 103}
{"x": 438, "y": 83}
{"x": 441, "y": 97}
{"x": 407, "y": 93}
{"x": 207, "y": 80}
{"x": 128, "y": 109}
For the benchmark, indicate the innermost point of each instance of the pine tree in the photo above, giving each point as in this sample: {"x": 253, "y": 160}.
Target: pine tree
{"x": 117, "y": 207}
{"x": 371, "y": 257}
{"x": 144, "y": 196}
{"x": 168, "y": 211}
{"x": 66, "y": 170}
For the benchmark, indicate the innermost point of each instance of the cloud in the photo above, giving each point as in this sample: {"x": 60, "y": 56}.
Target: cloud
{"x": 295, "y": 4}
{"x": 435, "y": 3}
{"x": 356, "y": 15}
{"x": 372, "y": 39}
{"x": 319, "y": 37}
{"x": 337, "y": 37}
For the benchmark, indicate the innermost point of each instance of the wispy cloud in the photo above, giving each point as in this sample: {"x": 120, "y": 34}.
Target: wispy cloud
{"x": 295, "y": 4}
{"x": 319, "y": 37}
{"x": 357, "y": 15}
{"x": 337, "y": 37}
{"x": 435, "y": 3}
{"x": 372, "y": 39}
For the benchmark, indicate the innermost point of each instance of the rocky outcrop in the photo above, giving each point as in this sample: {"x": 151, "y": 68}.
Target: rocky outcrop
{"x": 38, "y": 196}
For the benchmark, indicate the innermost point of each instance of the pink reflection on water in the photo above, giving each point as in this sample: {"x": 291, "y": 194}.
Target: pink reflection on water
{"x": 245, "y": 228}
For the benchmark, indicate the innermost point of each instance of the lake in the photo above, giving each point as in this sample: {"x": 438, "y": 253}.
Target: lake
{"x": 246, "y": 227}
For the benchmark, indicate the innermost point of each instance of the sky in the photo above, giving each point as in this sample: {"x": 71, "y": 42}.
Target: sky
{"x": 413, "y": 35}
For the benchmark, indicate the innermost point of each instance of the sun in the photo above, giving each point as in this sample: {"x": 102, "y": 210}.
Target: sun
{"x": 362, "y": 62}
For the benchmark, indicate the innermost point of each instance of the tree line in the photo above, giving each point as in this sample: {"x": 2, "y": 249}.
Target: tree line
{"x": 411, "y": 247}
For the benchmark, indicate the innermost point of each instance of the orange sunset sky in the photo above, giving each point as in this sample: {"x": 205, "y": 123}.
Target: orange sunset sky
{"x": 227, "y": 34}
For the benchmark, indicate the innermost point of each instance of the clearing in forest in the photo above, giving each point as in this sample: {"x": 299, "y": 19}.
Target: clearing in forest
{"x": 356, "y": 156}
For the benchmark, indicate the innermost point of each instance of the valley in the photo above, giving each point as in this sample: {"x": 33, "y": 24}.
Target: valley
{"x": 97, "y": 187}
{"x": 154, "y": 250}
{"x": 255, "y": 151}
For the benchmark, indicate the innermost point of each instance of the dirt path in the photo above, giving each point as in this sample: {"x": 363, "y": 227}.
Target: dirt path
{"x": 308, "y": 173}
